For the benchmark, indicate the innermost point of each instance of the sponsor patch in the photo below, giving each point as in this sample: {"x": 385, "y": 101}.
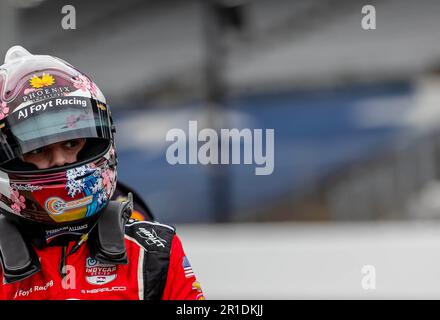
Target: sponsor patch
{"x": 151, "y": 238}
{"x": 105, "y": 289}
{"x": 98, "y": 273}
{"x": 196, "y": 286}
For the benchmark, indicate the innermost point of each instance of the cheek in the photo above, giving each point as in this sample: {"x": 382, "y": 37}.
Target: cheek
{"x": 72, "y": 155}
{"x": 40, "y": 162}
{"x": 44, "y": 164}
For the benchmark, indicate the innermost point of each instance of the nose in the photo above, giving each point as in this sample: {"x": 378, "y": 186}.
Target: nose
{"x": 59, "y": 157}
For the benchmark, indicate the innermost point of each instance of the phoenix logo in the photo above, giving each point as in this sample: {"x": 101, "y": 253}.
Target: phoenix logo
{"x": 46, "y": 80}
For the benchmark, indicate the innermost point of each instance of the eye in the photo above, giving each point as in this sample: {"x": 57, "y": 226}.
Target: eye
{"x": 71, "y": 143}
{"x": 36, "y": 151}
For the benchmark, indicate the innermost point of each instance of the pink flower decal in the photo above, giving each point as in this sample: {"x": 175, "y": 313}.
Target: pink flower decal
{"x": 71, "y": 121}
{"x": 18, "y": 201}
{"x": 107, "y": 180}
{"x": 94, "y": 90}
{"x": 4, "y": 110}
{"x": 29, "y": 90}
{"x": 112, "y": 152}
{"x": 81, "y": 83}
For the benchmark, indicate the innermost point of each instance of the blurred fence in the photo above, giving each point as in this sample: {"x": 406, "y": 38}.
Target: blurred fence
{"x": 399, "y": 182}
{"x": 384, "y": 188}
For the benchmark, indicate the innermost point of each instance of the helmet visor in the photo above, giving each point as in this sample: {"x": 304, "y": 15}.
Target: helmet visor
{"x": 50, "y": 121}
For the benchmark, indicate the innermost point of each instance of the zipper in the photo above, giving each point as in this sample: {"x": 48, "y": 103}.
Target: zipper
{"x": 62, "y": 264}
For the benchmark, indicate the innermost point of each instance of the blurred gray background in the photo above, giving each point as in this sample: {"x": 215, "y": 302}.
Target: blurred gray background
{"x": 356, "y": 115}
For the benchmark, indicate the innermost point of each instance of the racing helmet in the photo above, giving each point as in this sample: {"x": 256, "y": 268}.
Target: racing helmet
{"x": 45, "y": 100}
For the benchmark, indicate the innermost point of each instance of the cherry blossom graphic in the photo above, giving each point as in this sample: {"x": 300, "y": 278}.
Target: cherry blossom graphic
{"x": 85, "y": 84}
{"x": 18, "y": 201}
{"x": 72, "y": 120}
{"x": 82, "y": 83}
{"x": 4, "y": 110}
{"x": 112, "y": 152}
{"x": 93, "y": 89}
{"x": 29, "y": 90}
{"x": 107, "y": 180}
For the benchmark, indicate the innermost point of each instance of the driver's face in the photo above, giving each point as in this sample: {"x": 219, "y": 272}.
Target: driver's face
{"x": 55, "y": 155}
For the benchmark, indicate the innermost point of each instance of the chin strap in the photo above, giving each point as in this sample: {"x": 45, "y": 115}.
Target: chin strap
{"x": 19, "y": 260}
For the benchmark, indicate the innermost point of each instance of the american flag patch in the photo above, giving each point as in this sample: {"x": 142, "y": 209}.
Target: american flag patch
{"x": 187, "y": 268}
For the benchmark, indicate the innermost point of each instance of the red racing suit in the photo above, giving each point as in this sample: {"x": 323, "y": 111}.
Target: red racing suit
{"x": 157, "y": 269}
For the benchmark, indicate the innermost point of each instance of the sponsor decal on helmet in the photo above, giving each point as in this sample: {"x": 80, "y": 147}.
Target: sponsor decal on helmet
{"x": 56, "y": 206}
{"x": 71, "y": 230}
{"x": 34, "y": 95}
{"x": 26, "y": 187}
{"x": 43, "y": 106}
{"x": 98, "y": 273}
{"x": 46, "y": 80}
{"x": 102, "y": 107}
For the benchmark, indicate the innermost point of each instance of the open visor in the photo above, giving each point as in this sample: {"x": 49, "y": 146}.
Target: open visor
{"x": 50, "y": 121}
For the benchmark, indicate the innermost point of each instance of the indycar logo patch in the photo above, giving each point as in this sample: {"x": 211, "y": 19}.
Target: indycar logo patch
{"x": 98, "y": 273}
